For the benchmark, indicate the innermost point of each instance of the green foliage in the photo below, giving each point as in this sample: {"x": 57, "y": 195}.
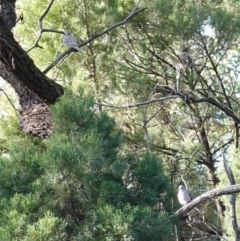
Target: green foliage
{"x": 147, "y": 181}
{"x": 46, "y": 228}
{"x": 79, "y": 187}
{"x": 21, "y": 166}
{"x": 130, "y": 223}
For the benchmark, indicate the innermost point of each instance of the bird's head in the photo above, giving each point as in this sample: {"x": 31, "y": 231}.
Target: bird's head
{"x": 67, "y": 33}
{"x": 181, "y": 187}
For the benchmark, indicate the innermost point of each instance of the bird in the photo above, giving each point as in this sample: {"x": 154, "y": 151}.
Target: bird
{"x": 184, "y": 196}
{"x": 70, "y": 42}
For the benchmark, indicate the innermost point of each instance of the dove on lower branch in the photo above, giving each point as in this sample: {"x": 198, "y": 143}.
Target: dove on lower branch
{"x": 70, "y": 42}
{"x": 185, "y": 196}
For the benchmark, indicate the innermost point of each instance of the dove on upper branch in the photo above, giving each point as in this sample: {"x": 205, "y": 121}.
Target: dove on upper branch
{"x": 70, "y": 42}
{"x": 184, "y": 196}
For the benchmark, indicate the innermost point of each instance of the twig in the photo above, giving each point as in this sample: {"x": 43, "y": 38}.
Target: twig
{"x": 10, "y": 102}
{"x": 185, "y": 183}
{"x": 219, "y": 234}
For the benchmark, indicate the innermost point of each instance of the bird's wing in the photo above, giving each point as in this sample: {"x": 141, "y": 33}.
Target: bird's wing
{"x": 70, "y": 41}
{"x": 190, "y": 194}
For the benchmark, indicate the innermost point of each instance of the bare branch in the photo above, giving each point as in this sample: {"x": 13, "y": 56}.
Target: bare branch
{"x": 112, "y": 27}
{"x": 58, "y": 59}
{"x": 185, "y": 183}
{"x": 40, "y": 25}
{"x": 232, "y": 198}
{"x": 206, "y": 196}
{"x": 191, "y": 100}
{"x": 228, "y": 170}
{"x": 186, "y": 97}
{"x": 44, "y": 14}
{"x": 212, "y": 101}
{"x": 140, "y": 103}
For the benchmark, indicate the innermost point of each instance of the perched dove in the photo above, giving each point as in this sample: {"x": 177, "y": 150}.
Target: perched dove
{"x": 184, "y": 196}
{"x": 70, "y": 42}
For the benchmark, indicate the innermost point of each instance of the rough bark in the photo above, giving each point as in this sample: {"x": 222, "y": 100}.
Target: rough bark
{"x": 35, "y": 90}
{"x": 7, "y": 13}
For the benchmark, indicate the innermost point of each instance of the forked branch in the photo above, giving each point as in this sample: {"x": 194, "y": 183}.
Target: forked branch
{"x": 41, "y": 29}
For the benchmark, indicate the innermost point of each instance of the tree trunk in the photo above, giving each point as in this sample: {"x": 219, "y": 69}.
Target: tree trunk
{"x": 35, "y": 90}
{"x": 209, "y": 161}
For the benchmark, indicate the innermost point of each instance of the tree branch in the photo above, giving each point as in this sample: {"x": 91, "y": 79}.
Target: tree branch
{"x": 206, "y": 196}
{"x": 212, "y": 101}
{"x": 190, "y": 99}
{"x": 140, "y": 103}
{"x": 40, "y": 25}
{"x": 172, "y": 94}
{"x": 232, "y": 198}
{"x": 97, "y": 35}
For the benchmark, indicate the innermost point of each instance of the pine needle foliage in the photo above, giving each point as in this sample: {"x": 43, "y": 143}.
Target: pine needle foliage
{"x": 82, "y": 185}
